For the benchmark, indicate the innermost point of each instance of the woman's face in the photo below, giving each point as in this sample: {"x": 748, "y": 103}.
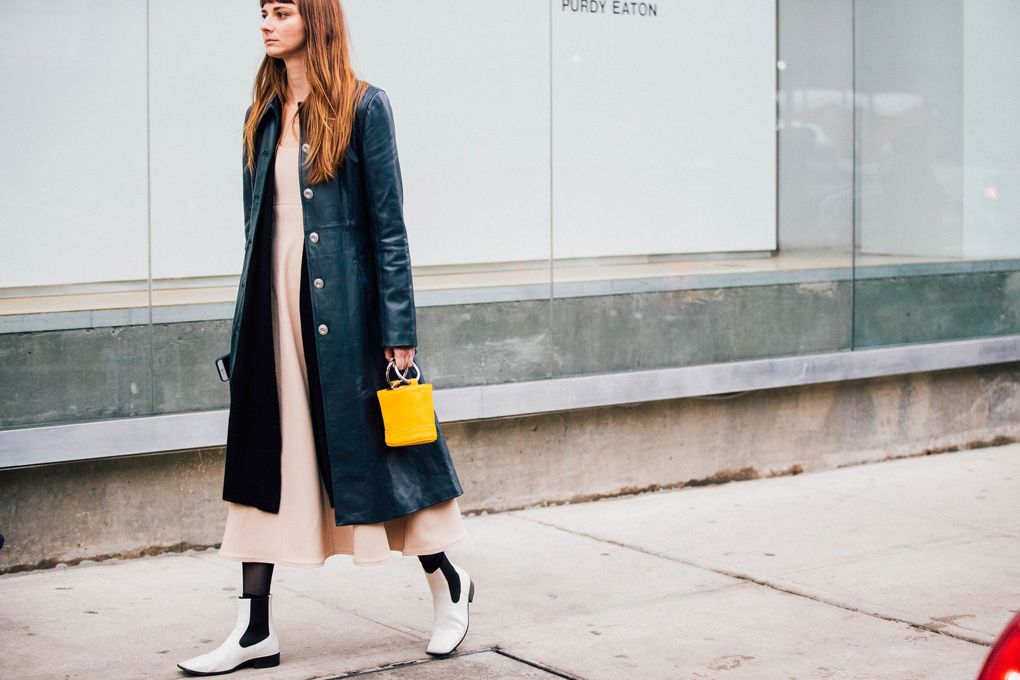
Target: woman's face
{"x": 283, "y": 29}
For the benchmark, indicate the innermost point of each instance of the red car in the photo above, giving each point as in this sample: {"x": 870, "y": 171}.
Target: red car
{"x": 1003, "y": 662}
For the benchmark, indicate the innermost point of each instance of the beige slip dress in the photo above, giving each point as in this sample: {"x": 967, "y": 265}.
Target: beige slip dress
{"x": 303, "y": 533}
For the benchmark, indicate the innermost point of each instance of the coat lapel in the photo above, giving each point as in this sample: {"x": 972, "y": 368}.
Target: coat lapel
{"x": 266, "y": 150}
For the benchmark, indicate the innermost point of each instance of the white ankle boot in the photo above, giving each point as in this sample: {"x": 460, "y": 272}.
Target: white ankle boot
{"x": 230, "y": 655}
{"x": 450, "y": 619}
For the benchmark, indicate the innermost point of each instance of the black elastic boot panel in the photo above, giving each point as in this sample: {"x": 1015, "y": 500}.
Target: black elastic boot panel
{"x": 258, "y": 622}
{"x": 440, "y": 561}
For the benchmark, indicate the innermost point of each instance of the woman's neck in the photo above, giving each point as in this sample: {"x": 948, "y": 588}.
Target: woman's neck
{"x": 297, "y": 79}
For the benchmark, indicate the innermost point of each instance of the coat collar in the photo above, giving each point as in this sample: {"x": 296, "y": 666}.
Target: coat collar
{"x": 276, "y": 105}
{"x": 271, "y": 122}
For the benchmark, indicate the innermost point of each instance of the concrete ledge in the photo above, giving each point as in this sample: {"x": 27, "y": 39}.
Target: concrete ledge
{"x": 202, "y": 429}
{"x": 145, "y": 504}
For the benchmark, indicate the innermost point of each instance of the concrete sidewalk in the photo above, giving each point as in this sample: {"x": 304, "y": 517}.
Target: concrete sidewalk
{"x": 897, "y": 570}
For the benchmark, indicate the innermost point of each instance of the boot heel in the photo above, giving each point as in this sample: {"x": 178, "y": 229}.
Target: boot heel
{"x": 471, "y": 591}
{"x": 266, "y": 661}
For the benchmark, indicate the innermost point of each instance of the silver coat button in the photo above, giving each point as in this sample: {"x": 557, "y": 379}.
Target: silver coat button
{"x": 323, "y": 329}
{"x": 313, "y": 237}
{"x": 307, "y": 193}
{"x": 317, "y": 283}
{"x": 305, "y": 147}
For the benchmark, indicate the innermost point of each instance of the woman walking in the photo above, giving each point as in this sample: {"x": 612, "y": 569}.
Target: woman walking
{"x": 325, "y": 303}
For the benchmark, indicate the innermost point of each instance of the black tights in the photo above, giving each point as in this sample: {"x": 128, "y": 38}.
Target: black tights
{"x": 256, "y": 577}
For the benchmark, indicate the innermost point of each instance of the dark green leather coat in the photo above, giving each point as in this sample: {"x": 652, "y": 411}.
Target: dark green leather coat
{"x": 356, "y": 299}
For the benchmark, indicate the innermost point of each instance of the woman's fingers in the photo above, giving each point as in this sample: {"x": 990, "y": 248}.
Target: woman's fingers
{"x": 400, "y": 356}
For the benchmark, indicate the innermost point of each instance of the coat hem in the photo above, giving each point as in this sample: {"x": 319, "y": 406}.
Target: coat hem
{"x": 427, "y": 503}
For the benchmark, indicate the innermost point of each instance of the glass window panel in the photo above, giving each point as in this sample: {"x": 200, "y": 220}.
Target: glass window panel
{"x": 74, "y": 289}
{"x": 197, "y": 100}
{"x": 667, "y": 247}
{"x": 469, "y": 83}
{"x": 938, "y": 170}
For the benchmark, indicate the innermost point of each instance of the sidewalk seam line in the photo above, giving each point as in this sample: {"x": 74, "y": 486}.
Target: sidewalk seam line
{"x": 760, "y": 582}
{"x": 542, "y": 667}
{"x": 397, "y": 665}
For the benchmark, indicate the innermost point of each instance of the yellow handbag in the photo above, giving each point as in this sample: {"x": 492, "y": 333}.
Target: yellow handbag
{"x": 407, "y": 410}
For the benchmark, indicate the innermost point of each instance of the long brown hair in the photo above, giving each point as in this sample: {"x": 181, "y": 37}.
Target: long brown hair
{"x": 327, "y": 113}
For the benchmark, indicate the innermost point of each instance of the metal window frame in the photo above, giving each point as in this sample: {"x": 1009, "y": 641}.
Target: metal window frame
{"x": 48, "y": 444}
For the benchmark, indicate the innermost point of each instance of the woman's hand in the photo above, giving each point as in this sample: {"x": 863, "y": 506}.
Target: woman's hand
{"x": 400, "y": 356}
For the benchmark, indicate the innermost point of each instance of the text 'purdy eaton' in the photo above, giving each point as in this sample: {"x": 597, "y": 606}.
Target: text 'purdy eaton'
{"x": 644, "y": 9}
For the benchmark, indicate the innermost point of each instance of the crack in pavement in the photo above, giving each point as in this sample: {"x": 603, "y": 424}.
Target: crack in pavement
{"x": 936, "y": 627}
{"x": 404, "y": 664}
{"x": 485, "y": 650}
{"x": 542, "y": 667}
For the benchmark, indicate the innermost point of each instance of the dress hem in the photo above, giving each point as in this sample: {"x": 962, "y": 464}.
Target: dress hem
{"x": 360, "y": 563}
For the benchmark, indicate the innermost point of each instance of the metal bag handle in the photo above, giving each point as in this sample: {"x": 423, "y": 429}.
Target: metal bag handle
{"x": 403, "y": 378}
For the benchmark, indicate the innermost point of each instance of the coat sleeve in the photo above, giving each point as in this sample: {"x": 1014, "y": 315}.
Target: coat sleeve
{"x": 384, "y": 192}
